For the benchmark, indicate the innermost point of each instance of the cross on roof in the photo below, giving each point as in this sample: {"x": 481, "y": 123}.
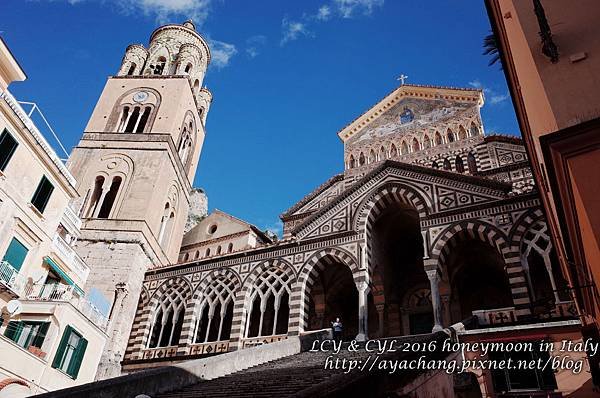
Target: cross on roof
{"x": 402, "y": 78}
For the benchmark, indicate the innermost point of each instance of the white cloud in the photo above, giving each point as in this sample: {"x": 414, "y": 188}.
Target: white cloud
{"x": 292, "y": 30}
{"x": 254, "y": 44}
{"x": 494, "y": 97}
{"x": 349, "y": 8}
{"x": 324, "y": 13}
{"x": 221, "y": 52}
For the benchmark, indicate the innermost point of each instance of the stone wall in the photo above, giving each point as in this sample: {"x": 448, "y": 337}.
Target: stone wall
{"x": 198, "y": 208}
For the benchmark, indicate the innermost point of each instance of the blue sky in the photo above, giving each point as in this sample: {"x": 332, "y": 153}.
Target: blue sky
{"x": 286, "y": 76}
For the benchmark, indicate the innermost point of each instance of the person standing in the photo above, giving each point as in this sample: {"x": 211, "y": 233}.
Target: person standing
{"x": 337, "y": 329}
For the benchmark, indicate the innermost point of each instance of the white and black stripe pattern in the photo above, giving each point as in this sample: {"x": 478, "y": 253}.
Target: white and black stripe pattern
{"x": 242, "y": 299}
{"x": 487, "y": 233}
{"x": 224, "y": 277}
{"x": 138, "y": 330}
{"x": 523, "y": 224}
{"x": 300, "y": 298}
{"x": 174, "y": 286}
{"x": 371, "y": 208}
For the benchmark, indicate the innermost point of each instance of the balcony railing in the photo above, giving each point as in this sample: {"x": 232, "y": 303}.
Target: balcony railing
{"x": 70, "y": 257}
{"x": 11, "y": 279}
{"x": 71, "y": 221}
{"x": 66, "y": 293}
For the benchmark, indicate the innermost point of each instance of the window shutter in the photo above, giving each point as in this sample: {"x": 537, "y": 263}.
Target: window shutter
{"x": 60, "y": 352}
{"x": 13, "y": 330}
{"x": 15, "y": 254}
{"x": 42, "y": 194}
{"x": 77, "y": 358}
{"x": 8, "y": 145}
{"x": 38, "y": 340}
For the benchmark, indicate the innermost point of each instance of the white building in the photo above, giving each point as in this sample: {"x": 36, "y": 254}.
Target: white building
{"x": 51, "y": 337}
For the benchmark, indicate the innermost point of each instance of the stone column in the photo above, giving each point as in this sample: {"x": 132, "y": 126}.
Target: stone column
{"x": 381, "y": 312}
{"x": 434, "y": 280}
{"x": 363, "y": 292}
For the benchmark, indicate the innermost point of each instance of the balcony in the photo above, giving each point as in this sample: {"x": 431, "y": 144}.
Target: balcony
{"x": 70, "y": 258}
{"x": 10, "y": 279}
{"x": 71, "y": 222}
{"x": 69, "y": 294}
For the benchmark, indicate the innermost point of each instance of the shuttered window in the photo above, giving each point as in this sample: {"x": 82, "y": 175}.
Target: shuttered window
{"x": 8, "y": 145}
{"x": 15, "y": 254}
{"x": 27, "y": 333}
{"x": 71, "y": 350}
{"x": 42, "y": 194}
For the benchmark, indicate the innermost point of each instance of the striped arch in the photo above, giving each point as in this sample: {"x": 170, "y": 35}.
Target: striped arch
{"x": 243, "y": 296}
{"x": 523, "y": 224}
{"x": 300, "y": 297}
{"x": 493, "y": 236}
{"x": 174, "y": 287}
{"x": 221, "y": 282}
{"x": 140, "y": 327}
{"x": 482, "y": 231}
{"x": 372, "y": 206}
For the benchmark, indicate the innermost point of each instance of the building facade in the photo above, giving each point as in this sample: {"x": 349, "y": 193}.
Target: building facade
{"x": 51, "y": 336}
{"x": 431, "y": 222}
{"x": 547, "y": 51}
{"x": 134, "y": 166}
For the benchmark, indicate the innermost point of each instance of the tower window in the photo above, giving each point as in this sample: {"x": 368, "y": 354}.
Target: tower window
{"x": 124, "y": 119}
{"x": 8, "y": 145}
{"x": 166, "y": 224}
{"x": 133, "y": 120}
{"x": 96, "y": 193}
{"x": 447, "y": 165}
{"x": 160, "y": 65}
{"x": 471, "y": 163}
{"x": 131, "y": 69}
{"x": 458, "y": 163}
{"x": 42, "y": 194}
{"x": 188, "y": 68}
{"x": 143, "y": 120}
{"x": 109, "y": 199}
{"x": 230, "y": 248}
{"x": 219, "y": 249}
{"x": 207, "y": 252}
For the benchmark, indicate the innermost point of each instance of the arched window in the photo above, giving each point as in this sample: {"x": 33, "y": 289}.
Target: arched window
{"x": 188, "y": 68}
{"x": 372, "y": 157}
{"x": 351, "y": 162}
{"x": 435, "y": 165}
{"x": 474, "y": 130}
{"x": 132, "y": 120}
{"x": 230, "y": 248}
{"x": 159, "y": 68}
{"x": 450, "y": 136}
{"x": 404, "y": 148}
{"x": 471, "y": 163}
{"x": 382, "y": 155}
{"x": 143, "y": 120}
{"x": 166, "y": 224}
{"x": 269, "y": 311}
{"x": 197, "y": 254}
{"x": 462, "y": 134}
{"x": 196, "y": 86}
{"x": 185, "y": 146}
{"x": 415, "y": 145}
{"x": 426, "y": 142}
{"x": 131, "y": 69}
{"x": 438, "y": 138}
{"x": 168, "y": 319}
{"x": 95, "y": 197}
{"x": 110, "y": 197}
{"x": 215, "y": 312}
{"x": 393, "y": 151}
{"x": 458, "y": 163}
{"x": 447, "y": 165}
{"x": 207, "y": 252}
{"x": 361, "y": 159}
{"x": 186, "y": 256}
{"x": 219, "y": 249}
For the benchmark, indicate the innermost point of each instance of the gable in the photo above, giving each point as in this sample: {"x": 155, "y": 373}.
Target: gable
{"x": 431, "y": 191}
{"x": 224, "y": 223}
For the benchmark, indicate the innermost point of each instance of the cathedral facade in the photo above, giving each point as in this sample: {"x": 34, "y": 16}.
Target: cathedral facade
{"x": 431, "y": 222}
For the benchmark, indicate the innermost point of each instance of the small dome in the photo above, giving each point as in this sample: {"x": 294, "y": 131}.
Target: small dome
{"x": 189, "y": 24}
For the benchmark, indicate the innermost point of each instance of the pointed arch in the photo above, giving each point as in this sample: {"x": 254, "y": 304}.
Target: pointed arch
{"x": 450, "y": 136}
{"x": 426, "y": 142}
{"x": 474, "y": 130}
{"x": 361, "y": 159}
{"x": 168, "y": 307}
{"x": 382, "y": 153}
{"x": 471, "y": 163}
{"x": 393, "y": 151}
{"x": 459, "y": 165}
{"x": 404, "y": 148}
{"x": 438, "y": 138}
{"x": 415, "y": 145}
{"x": 462, "y": 133}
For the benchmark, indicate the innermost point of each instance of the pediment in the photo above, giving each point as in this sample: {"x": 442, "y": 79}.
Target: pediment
{"x": 410, "y": 109}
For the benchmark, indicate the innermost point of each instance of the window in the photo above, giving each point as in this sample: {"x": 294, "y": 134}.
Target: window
{"x": 15, "y": 255}
{"x": 166, "y": 223}
{"x": 27, "y": 333}
{"x": 447, "y": 165}
{"x": 109, "y": 199}
{"x": 523, "y": 379}
{"x": 450, "y": 136}
{"x": 8, "y": 145}
{"x": 435, "y": 165}
{"x": 212, "y": 229}
{"x": 160, "y": 65}
{"x": 42, "y": 194}
{"x": 438, "y": 138}
{"x": 188, "y": 68}
{"x": 459, "y": 165}
{"x": 471, "y": 163}
{"x": 168, "y": 320}
{"x": 219, "y": 249}
{"x": 96, "y": 193}
{"x": 70, "y": 352}
{"x": 131, "y": 69}
{"x": 207, "y": 252}
{"x": 230, "y": 248}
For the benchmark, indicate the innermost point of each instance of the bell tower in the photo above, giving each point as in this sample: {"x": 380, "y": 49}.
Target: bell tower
{"x": 134, "y": 166}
